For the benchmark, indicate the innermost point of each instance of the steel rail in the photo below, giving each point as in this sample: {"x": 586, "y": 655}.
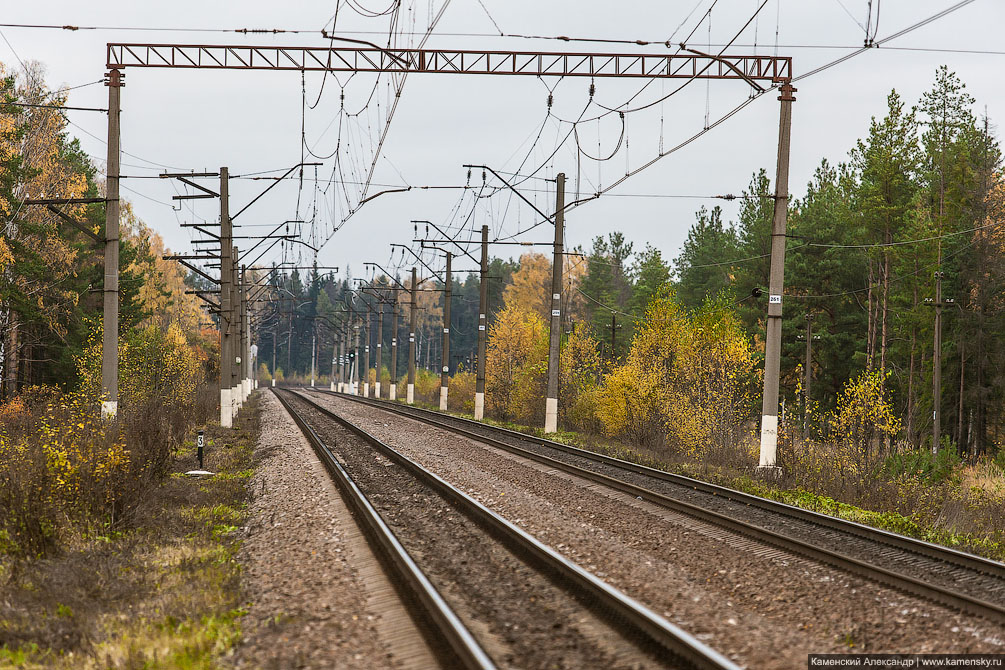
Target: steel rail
{"x": 651, "y": 626}
{"x": 903, "y": 582}
{"x": 446, "y": 622}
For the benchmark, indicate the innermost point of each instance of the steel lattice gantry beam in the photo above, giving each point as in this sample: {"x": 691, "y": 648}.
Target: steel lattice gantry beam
{"x": 774, "y": 69}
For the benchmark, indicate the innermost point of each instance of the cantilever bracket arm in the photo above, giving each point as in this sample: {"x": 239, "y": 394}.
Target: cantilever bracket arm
{"x": 191, "y": 267}
{"x": 76, "y": 224}
{"x": 271, "y": 186}
{"x": 199, "y": 294}
{"x": 388, "y": 275}
{"x": 550, "y": 218}
{"x": 453, "y": 241}
{"x": 208, "y": 193}
{"x": 419, "y": 258}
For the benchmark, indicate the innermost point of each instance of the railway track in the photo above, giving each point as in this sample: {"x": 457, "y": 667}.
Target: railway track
{"x": 463, "y": 566}
{"x": 952, "y": 578}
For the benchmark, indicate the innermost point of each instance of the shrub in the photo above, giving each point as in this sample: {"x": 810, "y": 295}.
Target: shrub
{"x": 923, "y": 465}
{"x": 63, "y": 462}
{"x": 516, "y": 366}
{"x": 686, "y": 380}
{"x": 264, "y": 376}
{"x": 427, "y": 387}
{"x": 62, "y": 466}
{"x": 578, "y": 370}
{"x": 462, "y": 392}
{"x": 863, "y": 419}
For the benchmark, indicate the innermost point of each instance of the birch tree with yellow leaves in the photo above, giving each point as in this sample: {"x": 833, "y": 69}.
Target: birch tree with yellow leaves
{"x": 687, "y": 379}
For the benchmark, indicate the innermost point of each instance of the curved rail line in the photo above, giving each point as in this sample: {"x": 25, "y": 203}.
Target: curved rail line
{"x": 981, "y": 574}
{"x": 633, "y": 616}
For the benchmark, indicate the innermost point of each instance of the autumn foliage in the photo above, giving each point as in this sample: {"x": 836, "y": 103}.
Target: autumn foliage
{"x": 63, "y": 468}
{"x": 516, "y": 366}
{"x": 686, "y": 381}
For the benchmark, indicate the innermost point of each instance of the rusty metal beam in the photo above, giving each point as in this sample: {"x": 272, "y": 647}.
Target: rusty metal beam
{"x": 774, "y": 69}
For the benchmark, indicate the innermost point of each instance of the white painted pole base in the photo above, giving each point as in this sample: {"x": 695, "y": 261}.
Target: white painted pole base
{"x": 331, "y": 387}
{"x": 551, "y": 415}
{"x": 312, "y": 383}
{"x": 376, "y": 390}
{"x": 256, "y": 384}
{"x": 769, "y": 441}
{"x": 366, "y": 389}
{"x": 109, "y": 408}
{"x": 341, "y": 386}
{"x": 392, "y": 392}
{"x": 410, "y": 394}
{"x": 479, "y": 406}
{"x": 226, "y": 409}
{"x": 235, "y": 399}
{"x": 273, "y": 381}
{"x": 443, "y": 398}
{"x": 246, "y": 387}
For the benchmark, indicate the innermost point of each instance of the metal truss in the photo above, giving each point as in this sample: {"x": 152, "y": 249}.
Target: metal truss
{"x": 774, "y": 69}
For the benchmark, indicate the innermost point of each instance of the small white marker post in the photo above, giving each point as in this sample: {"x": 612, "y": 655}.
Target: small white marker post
{"x": 200, "y": 443}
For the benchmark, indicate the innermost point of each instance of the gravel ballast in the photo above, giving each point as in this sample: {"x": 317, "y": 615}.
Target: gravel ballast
{"x": 318, "y": 598}
{"x": 518, "y": 615}
{"x": 761, "y": 606}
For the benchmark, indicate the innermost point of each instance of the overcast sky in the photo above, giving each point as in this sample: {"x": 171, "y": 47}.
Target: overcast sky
{"x": 251, "y": 121}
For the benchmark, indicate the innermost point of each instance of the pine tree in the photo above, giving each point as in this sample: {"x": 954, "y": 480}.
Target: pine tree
{"x": 705, "y": 265}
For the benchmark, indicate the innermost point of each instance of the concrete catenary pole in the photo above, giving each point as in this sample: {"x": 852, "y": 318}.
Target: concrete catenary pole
{"x": 246, "y": 361}
{"x": 410, "y": 389}
{"x": 314, "y": 351}
{"x": 380, "y": 348}
{"x": 807, "y": 375}
{"x": 275, "y": 340}
{"x": 289, "y": 339}
{"x": 445, "y": 349}
{"x": 110, "y": 320}
{"x": 357, "y": 377}
{"x": 343, "y": 364}
{"x": 776, "y": 280}
{"x": 483, "y": 299}
{"x": 335, "y": 360}
{"x": 226, "y": 302}
{"x": 238, "y": 327}
{"x": 392, "y": 391}
{"x": 937, "y": 360}
{"x": 347, "y": 388}
{"x": 614, "y": 335}
{"x": 367, "y": 334}
{"x": 551, "y": 403}
{"x": 340, "y": 351}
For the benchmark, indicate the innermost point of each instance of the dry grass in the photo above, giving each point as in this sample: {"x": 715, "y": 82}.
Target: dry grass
{"x": 984, "y": 476}
{"x": 961, "y": 507}
{"x": 159, "y": 591}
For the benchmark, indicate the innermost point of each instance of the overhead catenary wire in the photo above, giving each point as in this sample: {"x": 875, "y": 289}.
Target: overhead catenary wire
{"x": 742, "y": 105}
{"x": 378, "y": 154}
